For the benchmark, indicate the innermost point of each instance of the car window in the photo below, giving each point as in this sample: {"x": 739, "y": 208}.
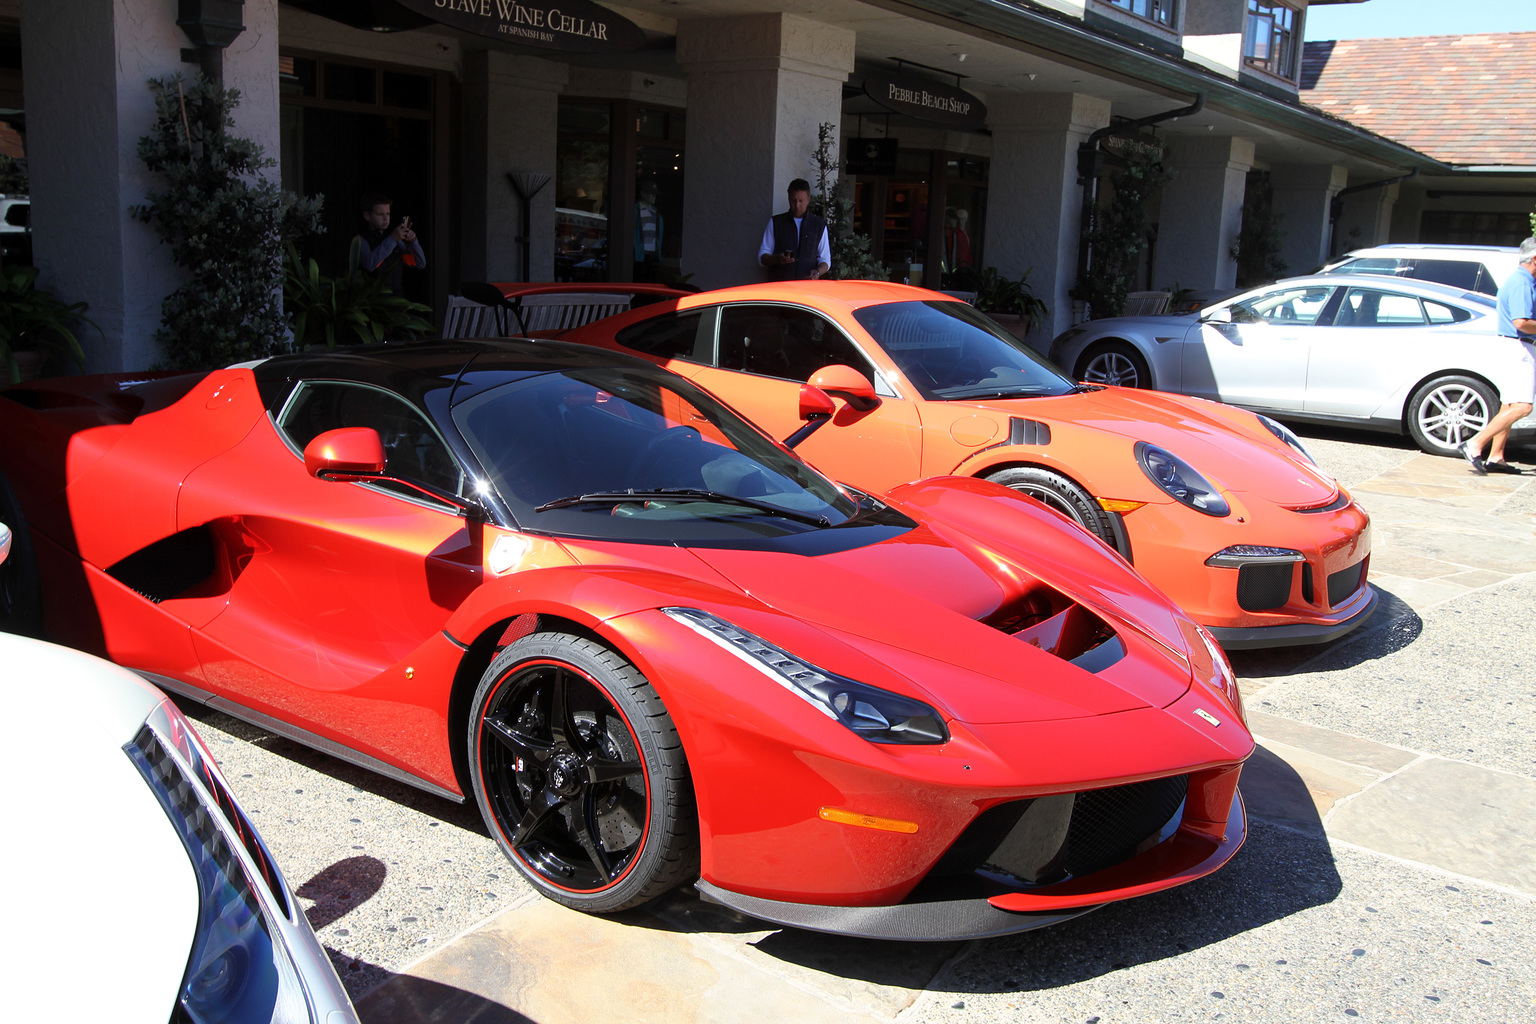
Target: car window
{"x": 1456, "y": 273}
{"x": 1368, "y": 307}
{"x": 784, "y": 341}
{"x": 1441, "y": 314}
{"x": 1288, "y": 306}
{"x": 413, "y": 449}
{"x": 19, "y": 214}
{"x": 949, "y": 350}
{"x": 670, "y": 336}
{"x": 1390, "y": 266}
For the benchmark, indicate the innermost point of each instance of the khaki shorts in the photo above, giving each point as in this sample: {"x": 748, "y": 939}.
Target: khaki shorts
{"x": 1517, "y": 382}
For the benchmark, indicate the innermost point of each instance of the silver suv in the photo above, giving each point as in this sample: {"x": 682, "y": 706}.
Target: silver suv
{"x": 1473, "y": 268}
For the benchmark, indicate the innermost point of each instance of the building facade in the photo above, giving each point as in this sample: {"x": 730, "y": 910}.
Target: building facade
{"x": 653, "y": 139}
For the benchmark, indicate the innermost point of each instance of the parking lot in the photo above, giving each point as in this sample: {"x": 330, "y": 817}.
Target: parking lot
{"x": 1389, "y": 873}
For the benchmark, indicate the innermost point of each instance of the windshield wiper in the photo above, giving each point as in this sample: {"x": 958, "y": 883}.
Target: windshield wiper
{"x": 1083, "y": 389}
{"x": 682, "y": 494}
{"x": 1017, "y": 391}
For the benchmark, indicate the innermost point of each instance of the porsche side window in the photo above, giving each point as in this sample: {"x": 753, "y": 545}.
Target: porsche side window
{"x": 413, "y": 450}
{"x": 673, "y": 336}
{"x": 1288, "y": 306}
{"x": 1367, "y": 307}
{"x": 785, "y": 342}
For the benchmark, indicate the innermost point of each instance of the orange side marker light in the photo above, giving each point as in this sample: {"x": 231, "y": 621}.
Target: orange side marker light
{"x": 867, "y": 820}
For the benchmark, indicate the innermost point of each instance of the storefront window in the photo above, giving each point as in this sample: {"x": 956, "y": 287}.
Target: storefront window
{"x": 1270, "y": 42}
{"x": 582, "y": 163}
{"x": 658, "y": 213}
{"x": 1160, "y": 11}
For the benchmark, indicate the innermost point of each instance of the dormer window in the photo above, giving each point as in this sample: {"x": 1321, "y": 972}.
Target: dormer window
{"x": 1272, "y": 40}
{"x": 1160, "y": 11}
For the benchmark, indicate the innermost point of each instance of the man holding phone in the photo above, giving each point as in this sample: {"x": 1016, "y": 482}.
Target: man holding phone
{"x": 795, "y": 245}
{"x": 377, "y": 243}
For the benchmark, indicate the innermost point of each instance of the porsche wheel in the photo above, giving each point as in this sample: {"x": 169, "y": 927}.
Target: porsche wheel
{"x": 1059, "y": 494}
{"x": 580, "y": 776}
{"x": 21, "y": 589}
{"x": 1447, "y": 411}
{"x": 1116, "y": 363}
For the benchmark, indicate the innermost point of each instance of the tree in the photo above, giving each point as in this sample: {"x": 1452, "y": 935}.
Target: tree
{"x": 851, "y": 258}
{"x": 227, "y": 227}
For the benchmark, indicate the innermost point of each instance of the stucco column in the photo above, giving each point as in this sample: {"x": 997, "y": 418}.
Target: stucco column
{"x": 758, "y": 88}
{"x": 510, "y": 117}
{"x": 1366, "y": 219}
{"x": 1302, "y": 193}
{"x": 1202, "y": 211}
{"x": 1034, "y": 202}
{"x": 86, "y": 67}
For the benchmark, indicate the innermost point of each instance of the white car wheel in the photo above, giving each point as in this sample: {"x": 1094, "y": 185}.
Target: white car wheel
{"x": 1449, "y": 410}
{"x": 1116, "y": 364}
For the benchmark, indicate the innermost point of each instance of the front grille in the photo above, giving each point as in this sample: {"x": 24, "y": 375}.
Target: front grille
{"x": 1053, "y": 838}
{"x": 1345, "y": 582}
{"x": 1262, "y": 586}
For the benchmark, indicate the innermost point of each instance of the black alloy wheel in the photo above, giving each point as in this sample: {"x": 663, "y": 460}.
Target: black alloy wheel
{"x": 580, "y": 776}
{"x": 1059, "y": 494}
{"x": 21, "y": 588}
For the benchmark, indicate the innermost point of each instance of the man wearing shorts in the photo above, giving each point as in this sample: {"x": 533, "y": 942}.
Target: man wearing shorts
{"x": 1517, "y": 386}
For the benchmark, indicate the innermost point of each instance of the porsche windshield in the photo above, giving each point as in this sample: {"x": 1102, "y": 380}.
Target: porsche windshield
{"x": 611, "y": 452}
{"x": 949, "y": 350}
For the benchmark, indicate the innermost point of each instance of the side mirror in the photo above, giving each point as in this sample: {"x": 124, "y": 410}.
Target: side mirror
{"x": 1219, "y": 315}
{"x": 5, "y": 541}
{"x": 345, "y": 454}
{"x": 847, "y": 383}
{"x": 815, "y": 403}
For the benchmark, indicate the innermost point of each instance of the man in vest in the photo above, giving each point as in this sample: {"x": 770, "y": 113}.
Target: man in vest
{"x": 795, "y": 246}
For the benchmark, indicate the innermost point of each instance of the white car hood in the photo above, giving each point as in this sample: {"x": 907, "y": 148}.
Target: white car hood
{"x": 104, "y": 897}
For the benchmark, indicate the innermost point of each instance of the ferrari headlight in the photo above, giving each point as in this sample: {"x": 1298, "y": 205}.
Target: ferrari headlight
{"x": 239, "y": 970}
{"x": 875, "y": 714}
{"x": 1285, "y": 434}
{"x": 1179, "y": 480}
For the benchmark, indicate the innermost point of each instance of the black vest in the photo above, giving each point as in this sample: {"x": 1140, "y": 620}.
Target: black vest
{"x": 807, "y": 247}
{"x": 394, "y": 276}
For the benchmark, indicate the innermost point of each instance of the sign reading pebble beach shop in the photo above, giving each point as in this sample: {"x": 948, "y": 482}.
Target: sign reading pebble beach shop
{"x": 571, "y": 25}
{"x": 927, "y": 100}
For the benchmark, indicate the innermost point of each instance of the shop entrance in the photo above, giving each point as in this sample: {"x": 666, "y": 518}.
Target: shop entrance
{"x": 918, "y": 239}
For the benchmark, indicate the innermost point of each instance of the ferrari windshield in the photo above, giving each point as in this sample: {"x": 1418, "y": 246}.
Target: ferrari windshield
{"x": 949, "y": 350}
{"x": 613, "y": 452}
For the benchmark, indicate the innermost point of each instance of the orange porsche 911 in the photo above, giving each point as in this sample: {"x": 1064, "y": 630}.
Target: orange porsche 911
{"x": 1221, "y": 508}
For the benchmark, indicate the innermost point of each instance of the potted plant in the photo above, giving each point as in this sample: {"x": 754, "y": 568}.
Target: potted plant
{"x": 1010, "y": 303}
{"x": 353, "y": 308}
{"x": 34, "y": 325}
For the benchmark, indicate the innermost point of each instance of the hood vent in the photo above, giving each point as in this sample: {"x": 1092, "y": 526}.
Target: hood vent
{"x": 1049, "y": 620}
{"x": 1022, "y": 431}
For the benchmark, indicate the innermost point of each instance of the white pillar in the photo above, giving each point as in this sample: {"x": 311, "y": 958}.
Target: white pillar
{"x": 510, "y": 117}
{"x": 1202, "y": 211}
{"x": 758, "y": 88}
{"x": 1302, "y": 193}
{"x": 1366, "y": 219}
{"x": 1034, "y": 203}
{"x": 86, "y": 66}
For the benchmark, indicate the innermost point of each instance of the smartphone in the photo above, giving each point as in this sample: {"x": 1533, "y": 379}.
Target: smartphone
{"x": 406, "y": 223}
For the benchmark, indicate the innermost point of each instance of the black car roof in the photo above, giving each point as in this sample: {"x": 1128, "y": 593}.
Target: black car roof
{"x": 390, "y": 364}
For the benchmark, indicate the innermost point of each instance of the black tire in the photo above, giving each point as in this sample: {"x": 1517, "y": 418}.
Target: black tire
{"x": 1059, "y": 494}
{"x": 1448, "y": 410}
{"x": 1116, "y": 363}
{"x": 21, "y": 588}
{"x": 580, "y": 776}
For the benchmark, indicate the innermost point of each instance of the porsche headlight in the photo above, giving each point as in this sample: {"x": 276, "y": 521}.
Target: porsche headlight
{"x": 1179, "y": 480}
{"x": 875, "y": 714}
{"x": 1285, "y": 434}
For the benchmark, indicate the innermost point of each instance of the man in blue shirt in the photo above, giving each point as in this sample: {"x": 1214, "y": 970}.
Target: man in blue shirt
{"x": 1517, "y": 319}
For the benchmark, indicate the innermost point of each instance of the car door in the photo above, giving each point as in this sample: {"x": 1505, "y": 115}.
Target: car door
{"x": 764, "y": 352}
{"x": 335, "y": 583}
{"x": 1259, "y": 358}
{"x": 1368, "y": 346}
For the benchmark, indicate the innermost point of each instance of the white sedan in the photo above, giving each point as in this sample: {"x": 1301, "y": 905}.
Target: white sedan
{"x": 138, "y": 888}
{"x": 1357, "y": 350}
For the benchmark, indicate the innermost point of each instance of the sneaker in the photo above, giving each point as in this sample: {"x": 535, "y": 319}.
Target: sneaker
{"x": 1475, "y": 461}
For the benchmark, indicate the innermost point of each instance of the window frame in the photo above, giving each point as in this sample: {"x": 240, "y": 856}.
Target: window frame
{"x": 1283, "y": 42}
{"x": 1162, "y": 13}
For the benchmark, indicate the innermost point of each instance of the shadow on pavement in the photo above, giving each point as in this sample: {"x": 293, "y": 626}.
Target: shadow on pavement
{"x": 341, "y": 888}
{"x": 406, "y": 999}
{"x": 1392, "y": 626}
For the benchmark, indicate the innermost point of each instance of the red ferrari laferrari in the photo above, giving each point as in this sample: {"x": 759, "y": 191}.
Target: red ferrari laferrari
{"x": 651, "y": 644}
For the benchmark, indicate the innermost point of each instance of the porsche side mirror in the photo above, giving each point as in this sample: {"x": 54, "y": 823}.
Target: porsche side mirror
{"x": 816, "y": 409}
{"x": 847, "y": 383}
{"x": 5, "y": 541}
{"x": 1219, "y": 315}
{"x": 350, "y": 453}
